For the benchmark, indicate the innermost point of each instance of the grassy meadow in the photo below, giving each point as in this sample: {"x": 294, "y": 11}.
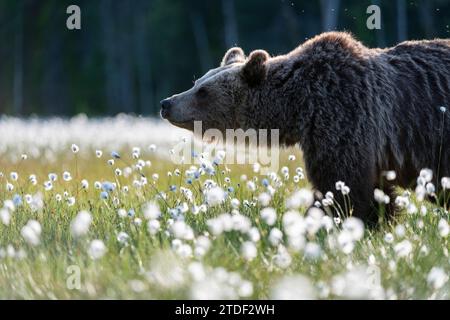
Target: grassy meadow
{"x": 95, "y": 209}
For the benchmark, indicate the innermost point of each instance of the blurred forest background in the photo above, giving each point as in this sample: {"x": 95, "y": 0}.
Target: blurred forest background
{"x": 128, "y": 55}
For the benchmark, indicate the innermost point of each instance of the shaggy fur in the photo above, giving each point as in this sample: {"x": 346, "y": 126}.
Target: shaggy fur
{"x": 355, "y": 111}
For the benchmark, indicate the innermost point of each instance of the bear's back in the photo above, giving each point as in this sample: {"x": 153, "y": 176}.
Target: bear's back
{"x": 420, "y": 71}
{"x": 428, "y": 52}
{"x": 420, "y": 74}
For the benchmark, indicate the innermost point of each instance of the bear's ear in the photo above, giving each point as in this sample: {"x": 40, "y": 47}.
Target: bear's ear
{"x": 233, "y": 55}
{"x": 254, "y": 71}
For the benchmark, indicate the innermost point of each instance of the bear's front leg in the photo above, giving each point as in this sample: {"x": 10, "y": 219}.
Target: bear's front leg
{"x": 359, "y": 178}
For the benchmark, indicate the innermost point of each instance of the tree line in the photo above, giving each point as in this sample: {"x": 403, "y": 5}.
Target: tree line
{"x": 128, "y": 55}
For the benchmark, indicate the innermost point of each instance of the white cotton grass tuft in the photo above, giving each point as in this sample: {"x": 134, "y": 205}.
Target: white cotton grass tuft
{"x": 264, "y": 199}
{"x": 167, "y": 270}
{"x": 312, "y": 251}
{"x": 153, "y": 226}
{"x": 352, "y": 231}
{"x": 215, "y": 196}
{"x": 97, "y": 249}
{"x": 294, "y": 227}
{"x": 300, "y": 198}
{"x": 14, "y": 176}
{"x": 251, "y": 186}
{"x": 400, "y": 231}
{"x": 403, "y": 249}
{"x": 355, "y": 227}
{"x": 426, "y": 174}
{"x": 359, "y": 282}
{"x": 151, "y": 210}
{"x": 5, "y": 216}
{"x": 253, "y": 234}
{"x": 202, "y": 245}
{"x": 445, "y": 183}
{"x": 80, "y": 224}
{"x": 84, "y": 184}
{"x": 389, "y": 237}
{"x": 443, "y": 228}
{"x": 282, "y": 259}
{"x": 390, "y": 175}
{"x": 437, "y": 278}
{"x": 31, "y": 232}
{"x": 381, "y": 197}
{"x": 181, "y": 230}
{"x": 269, "y": 216}
{"x": 217, "y": 283}
{"x": 235, "y": 203}
{"x": 275, "y": 236}
{"x": 75, "y": 148}
{"x": 9, "y": 205}
{"x": 294, "y": 287}
{"x": 123, "y": 237}
{"x": 313, "y": 220}
{"x": 249, "y": 250}
{"x": 67, "y": 176}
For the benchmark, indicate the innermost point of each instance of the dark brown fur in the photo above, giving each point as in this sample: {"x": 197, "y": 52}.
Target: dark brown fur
{"x": 355, "y": 111}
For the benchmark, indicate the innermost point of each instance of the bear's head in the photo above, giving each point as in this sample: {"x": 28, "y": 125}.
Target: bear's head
{"x": 217, "y": 98}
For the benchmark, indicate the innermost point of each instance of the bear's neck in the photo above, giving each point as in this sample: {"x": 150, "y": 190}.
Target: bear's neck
{"x": 278, "y": 103}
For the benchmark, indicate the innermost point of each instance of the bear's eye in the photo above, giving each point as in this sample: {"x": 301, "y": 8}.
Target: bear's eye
{"x": 202, "y": 93}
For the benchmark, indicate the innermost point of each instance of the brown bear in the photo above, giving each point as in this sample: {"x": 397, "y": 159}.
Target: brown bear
{"x": 356, "y": 112}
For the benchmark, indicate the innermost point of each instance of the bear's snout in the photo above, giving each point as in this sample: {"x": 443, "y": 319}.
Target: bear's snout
{"x": 165, "y": 107}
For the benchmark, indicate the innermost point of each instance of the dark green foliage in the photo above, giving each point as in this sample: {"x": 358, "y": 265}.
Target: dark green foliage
{"x": 130, "y": 54}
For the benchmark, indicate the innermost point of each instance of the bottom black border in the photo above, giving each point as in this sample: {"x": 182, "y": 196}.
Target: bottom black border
{"x": 170, "y": 309}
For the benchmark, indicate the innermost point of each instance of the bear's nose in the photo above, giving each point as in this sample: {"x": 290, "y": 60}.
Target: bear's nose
{"x": 165, "y": 107}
